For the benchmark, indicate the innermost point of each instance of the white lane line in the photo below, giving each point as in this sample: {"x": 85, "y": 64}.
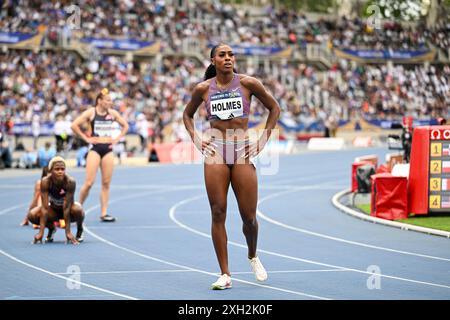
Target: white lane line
{"x": 91, "y": 296}
{"x": 10, "y": 209}
{"x": 178, "y": 204}
{"x": 197, "y": 270}
{"x": 179, "y": 265}
{"x": 307, "y": 178}
{"x": 183, "y": 270}
{"x": 321, "y": 235}
{"x": 55, "y": 274}
{"x": 135, "y": 227}
{"x": 11, "y": 194}
{"x": 182, "y": 187}
{"x": 202, "y": 187}
{"x": 127, "y": 272}
{"x": 29, "y": 265}
{"x": 296, "y": 271}
{"x": 17, "y": 186}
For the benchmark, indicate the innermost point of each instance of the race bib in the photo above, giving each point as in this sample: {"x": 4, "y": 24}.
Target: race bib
{"x": 227, "y": 105}
{"x": 103, "y": 128}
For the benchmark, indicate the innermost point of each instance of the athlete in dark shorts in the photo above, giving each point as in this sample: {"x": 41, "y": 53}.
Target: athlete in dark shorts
{"x": 228, "y": 150}
{"x": 57, "y": 193}
{"x": 101, "y": 119}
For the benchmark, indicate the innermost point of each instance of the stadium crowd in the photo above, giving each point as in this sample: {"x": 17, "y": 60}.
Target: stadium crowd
{"x": 50, "y": 86}
{"x": 212, "y": 22}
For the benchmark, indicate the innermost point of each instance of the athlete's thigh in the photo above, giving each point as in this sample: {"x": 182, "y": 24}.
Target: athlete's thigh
{"x": 34, "y": 215}
{"x": 92, "y": 164}
{"x": 245, "y": 186}
{"x": 107, "y": 167}
{"x": 217, "y": 181}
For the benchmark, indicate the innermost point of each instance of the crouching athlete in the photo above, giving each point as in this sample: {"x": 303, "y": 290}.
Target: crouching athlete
{"x": 57, "y": 194}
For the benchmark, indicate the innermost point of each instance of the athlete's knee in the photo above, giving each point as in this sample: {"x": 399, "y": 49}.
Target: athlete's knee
{"x": 34, "y": 216}
{"x": 105, "y": 184}
{"x": 30, "y": 215}
{"x": 250, "y": 222}
{"x": 77, "y": 212}
{"x": 88, "y": 184}
{"x": 218, "y": 213}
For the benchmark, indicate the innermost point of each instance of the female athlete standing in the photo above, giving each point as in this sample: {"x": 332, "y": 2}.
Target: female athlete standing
{"x": 101, "y": 118}
{"x": 227, "y": 97}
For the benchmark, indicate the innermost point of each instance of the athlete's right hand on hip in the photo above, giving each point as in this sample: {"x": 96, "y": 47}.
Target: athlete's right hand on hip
{"x": 206, "y": 146}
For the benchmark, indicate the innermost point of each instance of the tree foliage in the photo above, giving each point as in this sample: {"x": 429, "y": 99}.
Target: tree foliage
{"x": 403, "y": 10}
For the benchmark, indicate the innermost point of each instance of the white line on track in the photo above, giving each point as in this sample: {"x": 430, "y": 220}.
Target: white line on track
{"x": 178, "y": 204}
{"x": 307, "y": 178}
{"x": 265, "y": 186}
{"x": 321, "y": 235}
{"x": 29, "y": 265}
{"x": 17, "y": 186}
{"x": 88, "y": 296}
{"x": 201, "y": 271}
{"x": 202, "y": 187}
{"x": 135, "y": 227}
{"x": 4, "y": 194}
{"x": 296, "y": 271}
{"x": 185, "y": 270}
{"x": 10, "y": 209}
{"x": 128, "y": 271}
{"x": 145, "y": 256}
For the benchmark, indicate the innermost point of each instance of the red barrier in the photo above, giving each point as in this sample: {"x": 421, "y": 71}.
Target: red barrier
{"x": 382, "y": 169}
{"x": 163, "y": 152}
{"x": 373, "y": 158}
{"x": 362, "y": 142}
{"x": 389, "y": 198}
{"x": 182, "y": 152}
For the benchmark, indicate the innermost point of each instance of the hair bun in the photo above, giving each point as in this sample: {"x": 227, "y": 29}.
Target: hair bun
{"x": 104, "y": 91}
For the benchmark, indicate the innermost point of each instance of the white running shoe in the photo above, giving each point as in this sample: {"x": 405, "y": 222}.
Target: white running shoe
{"x": 224, "y": 282}
{"x": 258, "y": 269}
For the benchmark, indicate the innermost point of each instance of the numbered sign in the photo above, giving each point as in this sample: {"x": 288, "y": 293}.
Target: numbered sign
{"x": 435, "y": 166}
{"x": 435, "y": 202}
{"x": 436, "y": 149}
{"x": 435, "y": 184}
{"x": 429, "y": 170}
{"x": 439, "y": 173}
